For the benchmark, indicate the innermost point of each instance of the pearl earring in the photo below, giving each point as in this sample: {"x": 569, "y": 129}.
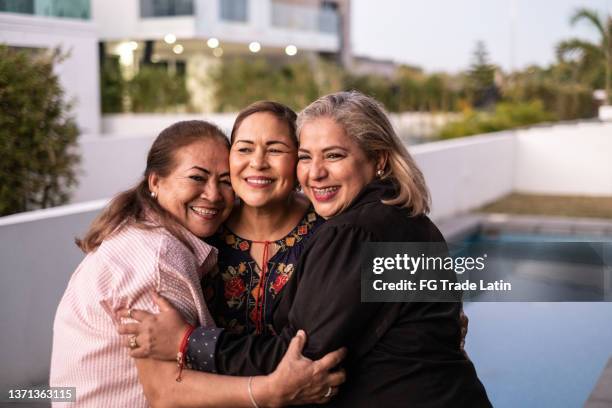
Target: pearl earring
{"x": 153, "y": 195}
{"x": 380, "y": 172}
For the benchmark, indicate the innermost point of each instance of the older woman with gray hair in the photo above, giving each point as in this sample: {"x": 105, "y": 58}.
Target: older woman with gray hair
{"x": 360, "y": 177}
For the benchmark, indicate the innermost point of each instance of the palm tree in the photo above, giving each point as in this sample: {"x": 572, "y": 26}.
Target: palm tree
{"x": 591, "y": 55}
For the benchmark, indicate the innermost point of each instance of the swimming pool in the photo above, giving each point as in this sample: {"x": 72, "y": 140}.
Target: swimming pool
{"x": 538, "y": 354}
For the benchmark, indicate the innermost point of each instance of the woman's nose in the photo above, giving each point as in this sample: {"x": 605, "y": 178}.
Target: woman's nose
{"x": 318, "y": 170}
{"x": 258, "y": 161}
{"x": 212, "y": 192}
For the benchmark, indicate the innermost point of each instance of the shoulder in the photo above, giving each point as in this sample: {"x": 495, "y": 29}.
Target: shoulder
{"x": 132, "y": 244}
{"x": 386, "y": 223}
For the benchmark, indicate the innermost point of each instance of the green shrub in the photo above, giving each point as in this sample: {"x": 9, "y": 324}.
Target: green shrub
{"x": 111, "y": 86}
{"x": 506, "y": 116}
{"x": 37, "y": 134}
{"x": 154, "y": 89}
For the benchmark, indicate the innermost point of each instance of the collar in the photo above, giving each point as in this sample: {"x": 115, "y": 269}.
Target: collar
{"x": 204, "y": 253}
{"x": 375, "y": 191}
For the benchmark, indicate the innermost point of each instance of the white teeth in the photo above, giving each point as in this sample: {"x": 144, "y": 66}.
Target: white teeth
{"x": 259, "y": 181}
{"x": 326, "y": 190}
{"x": 204, "y": 211}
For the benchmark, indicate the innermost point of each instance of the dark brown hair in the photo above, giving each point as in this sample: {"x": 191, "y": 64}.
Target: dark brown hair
{"x": 129, "y": 207}
{"x": 282, "y": 112}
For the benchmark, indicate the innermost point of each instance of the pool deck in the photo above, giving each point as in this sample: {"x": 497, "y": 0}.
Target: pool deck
{"x": 601, "y": 396}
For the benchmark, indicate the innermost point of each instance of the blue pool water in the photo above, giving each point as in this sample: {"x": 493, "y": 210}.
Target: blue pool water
{"x": 539, "y": 354}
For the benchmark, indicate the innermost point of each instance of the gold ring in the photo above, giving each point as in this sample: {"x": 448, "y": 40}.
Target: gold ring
{"x": 133, "y": 344}
{"x": 328, "y": 393}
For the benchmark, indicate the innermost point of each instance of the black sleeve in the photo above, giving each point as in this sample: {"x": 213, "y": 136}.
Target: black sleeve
{"x": 326, "y": 304}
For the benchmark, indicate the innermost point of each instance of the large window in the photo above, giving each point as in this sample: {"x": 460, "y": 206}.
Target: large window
{"x": 166, "y": 8}
{"x": 52, "y": 8}
{"x": 234, "y": 10}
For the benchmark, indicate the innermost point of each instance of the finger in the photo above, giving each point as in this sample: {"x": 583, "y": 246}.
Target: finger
{"x": 135, "y": 314}
{"x": 336, "y": 378}
{"x": 297, "y": 344}
{"x": 139, "y": 353}
{"x": 128, "y": 328}
{"x": 162, "y": 303}
{"x": 331, "y": 360}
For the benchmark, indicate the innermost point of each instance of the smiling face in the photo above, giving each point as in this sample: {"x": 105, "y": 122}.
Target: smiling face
{"x": 332, "y": 168}
{"x": 262, "y": 160}
{"x": 198, "y": 191}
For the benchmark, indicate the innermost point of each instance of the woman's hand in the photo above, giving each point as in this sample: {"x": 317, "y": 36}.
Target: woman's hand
{"x": 298, "y": 380}
{"x": 156, "y": 336}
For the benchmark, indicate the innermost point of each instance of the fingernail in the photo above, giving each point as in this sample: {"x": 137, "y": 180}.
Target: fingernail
{"x": 301, "y": 333}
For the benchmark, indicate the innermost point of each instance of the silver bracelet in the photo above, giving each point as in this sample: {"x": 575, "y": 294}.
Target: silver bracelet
{"x": 250, "y": 388}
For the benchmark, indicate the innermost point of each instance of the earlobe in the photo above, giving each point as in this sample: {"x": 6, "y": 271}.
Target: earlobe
{"x": 381, "y": 161}
{"x": 153, "y": 182}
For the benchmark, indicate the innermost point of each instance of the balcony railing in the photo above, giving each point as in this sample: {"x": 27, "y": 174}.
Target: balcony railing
{"x": 80, "y": 9}
{"x": 166, "y": 8}
{"x": 305, "y": 18}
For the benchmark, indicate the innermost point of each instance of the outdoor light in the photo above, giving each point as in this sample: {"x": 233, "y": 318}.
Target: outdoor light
{"x": 126, "y": 53}
{"x": 217, "y": 52}
{"x": 254, "y": 46}
{"x": 170, "y": 38}
{"x": 178, "y": 49}
{"x": 212, "y": 42}
{"x": 291, "y": 50}
{"x": 133, "y": 45}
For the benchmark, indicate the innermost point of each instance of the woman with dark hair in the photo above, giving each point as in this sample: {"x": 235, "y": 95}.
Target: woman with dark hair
{"x": 148, "y": 240}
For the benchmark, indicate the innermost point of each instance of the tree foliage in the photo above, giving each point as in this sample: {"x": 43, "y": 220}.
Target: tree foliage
{"x": 154, "y": 89}
{"x": 591, "y": 62}
{"x": 37, "y": 134}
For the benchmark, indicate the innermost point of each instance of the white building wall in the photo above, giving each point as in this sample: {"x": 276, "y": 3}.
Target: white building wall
{"x": 78, "y": 74}
{"x": 204, "y": 24}
{"x": 573, "y": 159}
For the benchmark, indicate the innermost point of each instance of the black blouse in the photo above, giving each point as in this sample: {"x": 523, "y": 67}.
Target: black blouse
{"x": 415, "y": 361}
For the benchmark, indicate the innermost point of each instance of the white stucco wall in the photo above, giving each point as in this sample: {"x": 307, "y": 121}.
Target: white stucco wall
{"x": 571, "y": 159}
{"x": 78, "y": 74}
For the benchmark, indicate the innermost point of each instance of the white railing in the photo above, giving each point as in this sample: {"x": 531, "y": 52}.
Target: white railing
{"x": 304, "y": 18}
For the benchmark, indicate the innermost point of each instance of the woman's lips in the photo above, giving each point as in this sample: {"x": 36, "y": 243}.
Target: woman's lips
{"x": 325, "y": 193}
{"x": 259, "y": 182}
{"x": 205, "y": 212}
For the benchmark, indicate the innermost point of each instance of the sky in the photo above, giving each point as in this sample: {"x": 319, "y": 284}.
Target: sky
{"x": 440, "y": 35}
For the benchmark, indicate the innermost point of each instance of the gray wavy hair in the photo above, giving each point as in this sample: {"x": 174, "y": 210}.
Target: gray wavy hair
{"x": 364, "y": 119}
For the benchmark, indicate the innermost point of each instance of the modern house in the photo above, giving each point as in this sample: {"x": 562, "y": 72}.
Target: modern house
{"x": 65, "y": 24}
{"x": 190, "y": 36}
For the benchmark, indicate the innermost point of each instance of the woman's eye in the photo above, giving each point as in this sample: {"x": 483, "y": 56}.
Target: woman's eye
{"x": 275, "y": 151}
{"x": 226, "y": 182}
{"x": 245, "y": 150}
{"x": 334, "y": 156}
{"x": 197, "y": 178}
{"x": 303, "y": 157}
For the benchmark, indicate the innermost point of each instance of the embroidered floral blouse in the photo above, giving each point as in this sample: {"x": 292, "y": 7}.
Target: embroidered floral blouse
{"x": 232, "y": 290}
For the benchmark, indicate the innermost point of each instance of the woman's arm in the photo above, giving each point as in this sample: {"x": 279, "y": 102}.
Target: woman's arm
{"x": 297, "y": 380}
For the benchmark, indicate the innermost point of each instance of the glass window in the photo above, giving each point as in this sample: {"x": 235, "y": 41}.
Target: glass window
{"x": 52, "y": 8}
{"x": 166, "y": 8}
{"x": 17, "y": 6}
{"x": 234, "y": 10}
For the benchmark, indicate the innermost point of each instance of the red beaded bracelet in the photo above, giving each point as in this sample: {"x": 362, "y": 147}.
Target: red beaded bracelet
{"x": 180, "y": 356}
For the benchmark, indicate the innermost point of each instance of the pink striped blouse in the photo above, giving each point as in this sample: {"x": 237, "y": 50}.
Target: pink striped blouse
{"x": 122, "y": 272}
